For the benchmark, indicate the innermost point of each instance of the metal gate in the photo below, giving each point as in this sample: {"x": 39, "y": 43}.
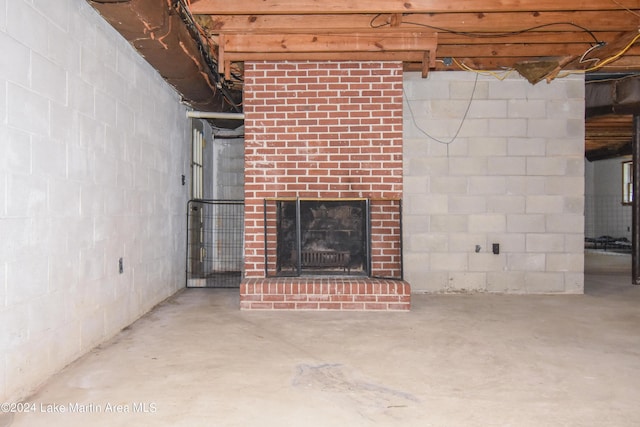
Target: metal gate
{"x": 215, "y": 237}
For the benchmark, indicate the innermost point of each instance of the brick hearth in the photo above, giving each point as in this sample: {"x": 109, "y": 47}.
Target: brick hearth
{"x": 327, "y": 293}
{"x": 324, "y": 130}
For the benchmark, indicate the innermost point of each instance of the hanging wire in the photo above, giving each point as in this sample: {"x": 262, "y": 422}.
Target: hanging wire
{"x": 484, "y": 35}
{"x": 462, "y": 121}
{"x": 603, "y": 62}
{"x": 498, "y": 76}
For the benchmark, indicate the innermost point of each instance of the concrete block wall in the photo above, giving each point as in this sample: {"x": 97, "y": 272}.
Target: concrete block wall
{"x": 93, "y": 144}
{"x": 506, "y": 168}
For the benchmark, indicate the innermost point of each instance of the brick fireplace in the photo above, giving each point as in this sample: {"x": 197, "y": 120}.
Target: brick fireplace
{"x": 323, "y": 136}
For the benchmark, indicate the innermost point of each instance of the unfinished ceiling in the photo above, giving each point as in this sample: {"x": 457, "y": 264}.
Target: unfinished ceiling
{"x": 199, "y": 45}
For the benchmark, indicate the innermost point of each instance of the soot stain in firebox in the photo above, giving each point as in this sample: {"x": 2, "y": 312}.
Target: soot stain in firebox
{"x": 336, "y": 379}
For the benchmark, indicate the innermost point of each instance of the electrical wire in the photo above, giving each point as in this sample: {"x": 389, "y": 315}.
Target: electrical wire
{"x": 187, "y": 18}
{"x": 485, "y": 35}
{"x": 462, "y": 121}
{"x": 500, "y": 77}
{"x": 605, "y": 61}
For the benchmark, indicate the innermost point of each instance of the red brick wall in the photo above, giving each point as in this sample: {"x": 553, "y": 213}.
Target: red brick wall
{"x": 322, "y": 129}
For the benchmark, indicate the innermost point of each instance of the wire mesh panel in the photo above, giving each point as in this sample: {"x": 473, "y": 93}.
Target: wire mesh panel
{"x": 215, "y": 235}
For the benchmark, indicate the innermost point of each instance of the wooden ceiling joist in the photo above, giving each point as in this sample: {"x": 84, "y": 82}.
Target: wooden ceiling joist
{"x": 338, "y": 45}
{"x": 488, "y": 22}
{"x": 269, "y": 7}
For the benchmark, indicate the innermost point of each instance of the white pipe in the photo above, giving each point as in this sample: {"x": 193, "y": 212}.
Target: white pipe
{"x": 214, "y": 115}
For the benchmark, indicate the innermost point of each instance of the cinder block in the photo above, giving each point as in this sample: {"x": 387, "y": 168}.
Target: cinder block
{"x": 545, "y": 166}
{"x": 487, "y": 185}
{"x": 505, "y": 204}
{"x": 574, "y": 283}
{"x": 27, "y": 278}
{"x": 526, "y": 262}
{"x": 468, "y": 166}
{"x": 570, "y": 108}
{"x": 429, "y": 281}
{"x": 574, "y": 87}
{"x": 428, "y": 242}
{"x": 489, "y": 147}
{"x": 449, "y": 149}
{"x": 552, "y": 91}
{"x": 487, "y": 223}
{"x": 416, "y": 185}
{"x": 4, "y": 395}
{"x": 527, "y": 109}
{"x": 548, "y": 128}
{"x": 3, "y": 27}
{"x": 445, "y": 261}
{"x": 28, "y": 25}
{"x": 545, "y": 243}
{"x": 57, "y": 13}
{"x": 417, "y": 262}
{"x": 3, "y": 195}
{"x": 467, "y": 282}
{"x": 544, "y": 283}
{"x": 15, "y": 150}
{"x": 568, "y": 186}
{"x": 447, "y": 108}
{"x": 540, "y": 204}
{"x": 574, "y": 243}
{"x": 470, "y": 128}
{"x": 528, "y": 223}
{"x": 421, "y": 89}
{"x": 448, "y": 184}
{"x": 567, "y": 223}
{"x": 430, "y": 204}
{"x": 415, "y": 224}
{"x": 48, "y": 79}
{"x": 486, "y": 109}
{"x": 15, "y": 61}
{"x": 47, "y": 312}
{"x": 509, "y": 242}
{"x": 506, "y": 282}
{"x": 27, "y": 110}
{"x": 508, "y": 128}
{"x": 575, "y": 167}
{"x": 466, "y": 242}
{"x": 26, "y": 195}
{"x": 487, "y": 261}
{"x": 449, "y": 223}
{"x": 26, "y": 367}
{"x": 105, "y": 106}
{"x": 415, "y": 147}
{"x": 15, "y": 323}
{"x": 464, "y": 90}
{"x": 49, "y": 158}
{"x": 416, "y": 166}
{"x": 507, "y": 166}
{"x": 508, "y": 89}
{"x": 93, "y": 329}
{"x": 467, "y": 204}
{"x": 82, "y": 97}
{"x": 526, "y": 146}
{"x": 565, "y": 262}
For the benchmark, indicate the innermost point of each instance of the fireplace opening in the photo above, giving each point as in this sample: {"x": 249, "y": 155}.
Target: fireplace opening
{"x": 322, "y": 237}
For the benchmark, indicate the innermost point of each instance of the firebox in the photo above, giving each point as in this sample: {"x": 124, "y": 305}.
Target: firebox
{"x": 322, "y": 237}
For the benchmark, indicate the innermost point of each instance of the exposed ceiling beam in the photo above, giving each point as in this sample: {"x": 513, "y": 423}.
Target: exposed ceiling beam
{"x": 337, "y": 45}
{"x": 269, "y": 7}
{"x": 614, "y": 20}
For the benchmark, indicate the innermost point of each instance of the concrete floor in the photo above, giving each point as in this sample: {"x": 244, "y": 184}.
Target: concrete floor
{"x": 454, "y": 360}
